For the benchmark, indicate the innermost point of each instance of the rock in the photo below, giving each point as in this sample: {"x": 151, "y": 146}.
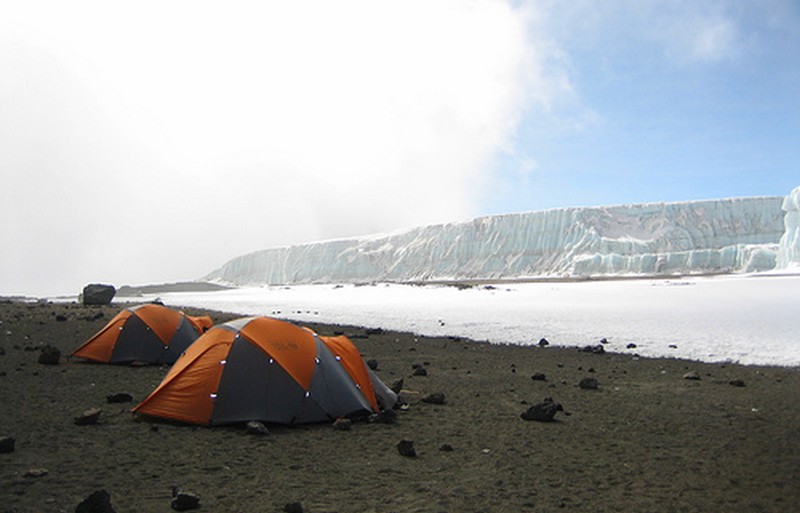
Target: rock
{"x": 98, "y": 502}
{"x": 374, "y": 331}
{"x": 255, "y": 427}
{"x": 36, "y": 472}
{"x": 597, "y": 349}
{"x": 386, "y": 416}
{"x": 293, "y": 507}
{"x": 435, "y": 398}
{"x": 184, "y": 501}
{"x": 372, "y": 364}
{"x": 406, "y": 448}
{"x": 61, "y": 317}
{"x": 2, "y": 351}
{"x": 342, "y": 424}
{"x": 543, "y": 342}
{"x": 7, "y": 444}
{"x": 420, "y": 371}
{"x": 544, "y": 411}
{"x": 98, "y": 294}
{"x": 736, "y": 382}
{"x": 538, "y": 376}
{"x": 446, "y": 448}
{"x": 397, "y": 386}
{"x": 588, "y": 384}
{"x": 631, "y": 346}
{"x": 120, "y": 397}
{"x": 49, "y": 355}
{"x": 88, "y": 417}
{"x": 692, "y": 375}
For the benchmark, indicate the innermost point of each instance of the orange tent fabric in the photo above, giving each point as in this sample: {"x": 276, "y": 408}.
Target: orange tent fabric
{"x": 147, "y": 334}
{"x": 258, "y": 368}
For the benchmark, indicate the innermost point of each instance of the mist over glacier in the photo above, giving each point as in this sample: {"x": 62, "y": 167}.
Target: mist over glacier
{"x": 698, "y": 237}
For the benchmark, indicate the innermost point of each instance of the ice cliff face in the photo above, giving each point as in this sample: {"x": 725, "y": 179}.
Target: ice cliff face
{"x": 789, "y": 250}
{"x": 729, "y": 235}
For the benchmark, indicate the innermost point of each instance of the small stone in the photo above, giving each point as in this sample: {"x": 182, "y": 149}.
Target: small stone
{"x": 255, "y": 427}
{"x": 98, "y": 502}
{"x": 597, "y": 349}
{"x": 61, "y": 317}
{"x": 420, "y": 371}
{"x": 397, "y": 386}
{"x": 692, "y": 375}
{"x": 342, "y": 424}
{"x": 88, "y": 417}
{"x": 543, "y": 342}
{"x": 435, "y": 398}
{"x": 538, "y": 376}
{"x": 446, "y": 448}
{"x": 183, "y": 501}
{"x": 372, "y": 364}
{"x": 35, "y": 472}
{"x": 7, "y": 444}
{"x": 631, "y": 346}
{"x": 121, "y": 397}
{"x": 293, "y": 507}
{"x": 49, "y": 355}
{"x": 588, "y": 384}
{"x": 736, "y": 382}
{"x": 544, "y": 411}
{"x": 406, "y": 448}
{"x": 385, "y": 416}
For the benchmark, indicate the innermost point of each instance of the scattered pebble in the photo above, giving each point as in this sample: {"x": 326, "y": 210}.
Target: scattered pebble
{"x": 7, "y": 444}
{"x": 435, "y": 398}
{"x": 342, "y": 424}
{"x": 88, "y": 417}
{"x": 98, "y": 502}
{"x": 544, "y": 411}
{"x": 293, "y": 507}
{"x": 121, "y": 397}
{"x": 36, "y": 472}
{"x": 255, "y": 427}
{"x": 406, "y": 448}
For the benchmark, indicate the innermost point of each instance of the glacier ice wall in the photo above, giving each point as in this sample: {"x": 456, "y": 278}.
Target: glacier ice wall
{"x": 789, "y": 248}
{"x": 729, "y": 235}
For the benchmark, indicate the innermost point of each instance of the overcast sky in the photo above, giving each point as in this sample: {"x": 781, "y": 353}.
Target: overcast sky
{"x": 151, "y": 142}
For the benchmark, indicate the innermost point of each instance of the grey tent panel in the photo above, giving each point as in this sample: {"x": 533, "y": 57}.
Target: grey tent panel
{"x": 184, "y": 336}
{"x": 255, "y": 387}
{"x": 333, "y": 388}
{"x": 138, "y": 343}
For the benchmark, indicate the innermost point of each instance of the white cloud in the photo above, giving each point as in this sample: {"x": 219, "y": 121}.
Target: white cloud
{"x": 153, "y": 141}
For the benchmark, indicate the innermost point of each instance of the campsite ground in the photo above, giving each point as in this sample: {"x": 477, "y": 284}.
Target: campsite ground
{"x": 646, "y": 440}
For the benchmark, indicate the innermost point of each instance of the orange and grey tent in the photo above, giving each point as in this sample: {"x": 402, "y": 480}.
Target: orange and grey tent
{"x": 145, "y": 334}
{"x": 264, "y": 369}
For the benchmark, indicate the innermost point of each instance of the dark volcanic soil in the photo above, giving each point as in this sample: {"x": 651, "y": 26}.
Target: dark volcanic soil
{"x": 646, "y": 439}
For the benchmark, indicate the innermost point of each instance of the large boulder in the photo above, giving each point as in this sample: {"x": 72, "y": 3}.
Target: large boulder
{"x": 98, "y": 294}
